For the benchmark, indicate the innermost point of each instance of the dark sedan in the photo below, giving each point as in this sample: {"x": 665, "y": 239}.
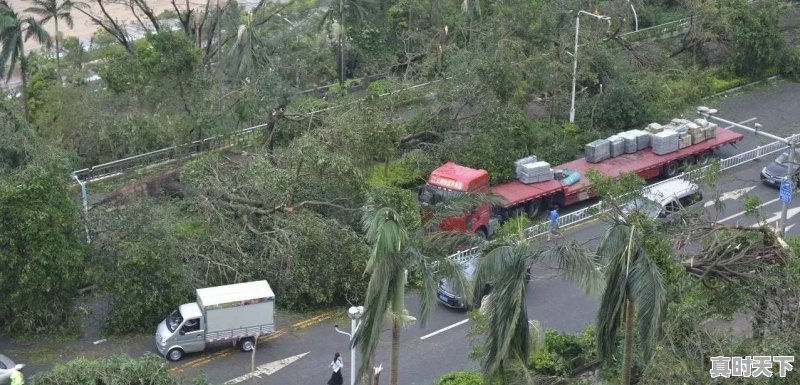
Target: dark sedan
{"x": 774, "y": 173}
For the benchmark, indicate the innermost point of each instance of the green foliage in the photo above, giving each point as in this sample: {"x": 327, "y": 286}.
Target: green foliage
{"x": 460, "y": 378}
{"x": 380, "y": 87}
{"x": 19, "y": 145}
{"x": 117, "y": 370}
{"x": 752, "y": 206}
{"x": 758, "y": 46}
{"x": 43, "y": 258}
{"x": 791, "y": 64}
{"x": 514, "y": 228}
{"x": 407, "y": 172}
{"x": 562, "y": 353}
{"x": 494, "y": 144}
{"x": 140, "y": 265}
{"x": 305, "y": 248}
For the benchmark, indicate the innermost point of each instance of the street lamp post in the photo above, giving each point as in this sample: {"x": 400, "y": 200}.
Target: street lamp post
{"x": 708, "y": 113}
{"x": 354, "y": 313}
{"x": 635, "y": 18}
{"x": 575, "y": 58}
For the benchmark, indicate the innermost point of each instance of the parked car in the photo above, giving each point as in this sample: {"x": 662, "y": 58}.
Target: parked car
{"x": 774, "y": 173}
{"x": 447, "y": 295}
{"x": 664, "y": 201}
{"x": 6, "y": 367}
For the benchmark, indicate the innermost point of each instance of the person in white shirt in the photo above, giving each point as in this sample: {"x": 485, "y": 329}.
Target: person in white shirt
{"x": 336, "y": 366}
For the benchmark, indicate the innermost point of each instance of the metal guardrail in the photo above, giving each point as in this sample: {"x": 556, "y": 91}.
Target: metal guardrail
{"x": 595, "y": 210}
{"x": 165, "y": 155}
{"x": 171, "y": 154}
{"x": 657, "y": 30}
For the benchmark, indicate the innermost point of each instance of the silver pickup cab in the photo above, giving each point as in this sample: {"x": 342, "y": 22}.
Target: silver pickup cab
{"x": 237, "y": 313}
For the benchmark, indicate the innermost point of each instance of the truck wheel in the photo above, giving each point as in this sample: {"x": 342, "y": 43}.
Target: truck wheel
{"x": 175, "y": 354}
{"x": 704, "y": 157}
{"x": 670, "y": 170}
{"x": 247, "y": 344}
{"x": 482, "y": 233}
{"x": 533, "y": 208}
{"x": 687, "y": 162}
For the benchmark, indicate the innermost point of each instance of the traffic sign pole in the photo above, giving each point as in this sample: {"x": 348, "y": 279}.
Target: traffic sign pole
{"x": 789, "y": 184}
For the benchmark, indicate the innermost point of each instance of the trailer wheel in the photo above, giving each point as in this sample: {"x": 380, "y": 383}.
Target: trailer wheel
{"x": 533, "y": 208}
{"x": 175, "y": 354}
{"x": 687, "y": 162}
{"x": 704, "y": 157}
{"x": 670, "y": 170}
{"x": 247, "y": 344}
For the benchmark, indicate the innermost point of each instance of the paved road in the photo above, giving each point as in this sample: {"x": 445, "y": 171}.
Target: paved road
{"x": 428, "y": 353}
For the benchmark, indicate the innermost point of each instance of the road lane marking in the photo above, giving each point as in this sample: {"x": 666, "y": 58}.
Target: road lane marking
{"x": 742, "y": 212}
{"x": 266, "y": 369}
{"x": 444, "y": 329}
{"x": 99, "y": 341}
{"x": 222, "y": 353}
{"x": 730, "y": 195}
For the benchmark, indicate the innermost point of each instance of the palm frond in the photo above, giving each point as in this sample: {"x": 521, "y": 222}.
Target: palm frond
{"x": 610, "y": 311}
{"x": 509, "y": 334}
{"x": 376, "y": 304}
{"x": 580, "y": 266}
{"x": 647, "y": 286}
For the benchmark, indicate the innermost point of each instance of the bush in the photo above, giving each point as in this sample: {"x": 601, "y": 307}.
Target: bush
{"x": 562, "y": 353}
{"x": 461, "y": 378}
{"x": 791, "y": 64}
{"x": 512, "y": 228}
{"x": 117, "y": 370}
{"x": 407, "y": 172}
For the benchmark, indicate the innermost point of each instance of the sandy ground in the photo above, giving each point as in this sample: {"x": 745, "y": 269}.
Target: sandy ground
{"x": 83, "y": 28}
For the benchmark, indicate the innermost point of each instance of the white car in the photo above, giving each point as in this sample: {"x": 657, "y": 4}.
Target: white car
{"x": 6, "y": 367}
{"x": 664, "y": 200}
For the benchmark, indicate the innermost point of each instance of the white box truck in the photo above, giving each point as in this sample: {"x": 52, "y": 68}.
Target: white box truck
{"x": 237, "y": 313}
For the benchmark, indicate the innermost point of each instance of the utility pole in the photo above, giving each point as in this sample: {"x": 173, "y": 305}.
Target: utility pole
{"x": 708, "y": 113}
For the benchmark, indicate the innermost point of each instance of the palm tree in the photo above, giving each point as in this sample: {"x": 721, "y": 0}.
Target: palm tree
{"x": 634, "y": 286}
{"x": 504, "y": 266}
{"x": 14, "y": 31}
{"x": 393, "y": 252}
{"x": 341, "y": 10}
{"x": 53, "y": 10}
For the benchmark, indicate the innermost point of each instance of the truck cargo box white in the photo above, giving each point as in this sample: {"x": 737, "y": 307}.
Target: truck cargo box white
{"x": 242, "y": 309}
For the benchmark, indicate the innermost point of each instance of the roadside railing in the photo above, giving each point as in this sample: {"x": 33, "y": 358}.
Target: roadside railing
{"x": 165, "y": 155}
{"x": 670, "y": 28}
{"x": 217, "y": 142}
{"x": 593, "y": 211}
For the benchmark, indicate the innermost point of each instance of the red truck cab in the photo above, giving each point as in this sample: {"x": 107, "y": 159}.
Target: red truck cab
{"x": 452, "y": 180}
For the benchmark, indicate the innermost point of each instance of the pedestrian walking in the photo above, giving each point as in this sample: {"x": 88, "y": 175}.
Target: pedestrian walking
{"x": 553, "y": 222}
{"x": 16, "y": 375}
{"x": 336, "y": 366}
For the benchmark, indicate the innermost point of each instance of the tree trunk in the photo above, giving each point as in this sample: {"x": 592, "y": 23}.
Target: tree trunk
{"x": 58, "y": 53}
{"x": 376, "y": 375}
{"x": 341, "y": 40}
{"x": 23, "y": 69}
{"x": 627, "y": 361}
{"x": 398, "y": 306}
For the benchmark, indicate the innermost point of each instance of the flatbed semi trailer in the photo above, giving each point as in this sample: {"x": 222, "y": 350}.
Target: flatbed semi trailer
{"x": 453, "y": 179}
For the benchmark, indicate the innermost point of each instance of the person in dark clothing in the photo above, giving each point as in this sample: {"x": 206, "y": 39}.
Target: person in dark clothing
{"x": 336, "y": 366}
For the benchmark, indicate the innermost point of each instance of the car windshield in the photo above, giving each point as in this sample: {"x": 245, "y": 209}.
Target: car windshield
{"x": 174, "y": 320}
{"x": 645, "y": 206}
{"x": 433, "y": 195}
